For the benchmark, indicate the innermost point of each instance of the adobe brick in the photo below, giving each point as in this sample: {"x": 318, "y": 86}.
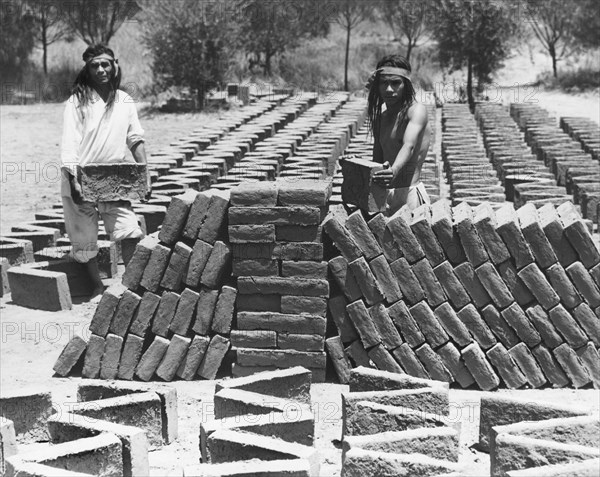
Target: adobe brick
{"x": 434, "y": 291}
{"x": 218, "y": 265}
{"x": 197, "y": 262}
{"x": 253, "y": 194}
{"x": 470, "y": 241}
{"x": 298, "y": 233}
{"x": 205, "y": 310}
{"x": 93, "y": 357}
{"x": 442, "y": 226}
{"x": 284, "y": 358}
{"x": 454, "y": 363}
{"x": 303, "y": 269}
{"x": 407, "y": 281}
{"x": 176, "y": 270}
{"x": 311, "y": 305}
{"x": 510, "y": 231}
{"x": 341, "y": 238}
{"x": 590, "y": 358}
{"x": 366, "y": 280}
{"x": 252, "y": 233}
{"x": 298, "y": 215}
{"x": 550, "y": 366}
{"x": 259, "y": 302}
{"x": 106, "y": 309}
{"x": 186, "y": 306}
{"x": 518, "y": 321}
{"x": 553, "y": 228}
{"x": 453, "y": 288}
{"x": 111, "y": 357}
{"x": 507, "y": 368}
{"x": 253, "y": 339}
{"x": 144, "y": 314}
{"x": 386, "y": 279}
{"x": 498, "y": 326}
{"x": 176, "y": 217}
{"x": 173, "y": 357}
{"x": 157, "y": 264}
{"x": 455, "y": 328}
{"x": 528, "y": 365}
{"x": 428, "y": 323}
{"x": 69, "y": 356}
{"x": 39, "y": 289}
{"x": 151, "y": 359}
{"x": 338, "y": 357}
{"x": 399, "y": 227}
{"x": 571, "y": 365}
{"x": 421, "y": 228}
{"x": 409, "y": 362}
{"x": 406, "y": 323}
{"x": 535, "y": 236}
{"x": 213, "y": 357}
{"x": 130, "y": 356}
{"x": 494, "y": 285}
{"x": 363, "y": 323}
{"x": 293, "y": 323}
{"x": 385, "y": 327}
{"x": 383, "y": 359}
{"x": 357, "y": 352}
{"x": 384, "y": 237}
{"x": 584, "y": 283}
{"x": 369, "y": 379}
{"x": 124, "y": 314}
{"x": 138, "y": 262}
{"x": 300, "y": 341}
{"x": 515, "y": 285}
{"x": 466, "y": 274}
{"x": 283, "y": 286}
{"x": 539, "y": 286}
{"x": 195, "y": 353}
{"x": 358, "y": 187}
{"x": 165, "y": 313}
{"x": 564, "y": 287}
{"x": 479, "y": 367}
{"x": 224, "y": 309}
{"x": 589, "y": 321}
{"x": 484, "y": 220}
{"x": 213, "y": 224}
{"x": 433, "y": 364}
{"x": 344, "y": 277}
{"x": 304, "y": 192}
{"x": 362, "y": 235}
{"x": 4, "y": 285}
{"x": 567, "y": 326}
{"x": 539, "y": 318}
{"x": 578, "y": 235}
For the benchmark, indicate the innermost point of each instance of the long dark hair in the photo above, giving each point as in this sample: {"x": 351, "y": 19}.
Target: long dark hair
{"x": 83, "y": 85}
{"x": 375, "y": 102}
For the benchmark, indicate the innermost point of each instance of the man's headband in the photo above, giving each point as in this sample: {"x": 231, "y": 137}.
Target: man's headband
{"x": 105, "y": 56}
{"x": 388, "y": 70}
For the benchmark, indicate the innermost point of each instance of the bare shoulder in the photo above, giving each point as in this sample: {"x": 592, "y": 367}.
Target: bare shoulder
{"x": 417, "y": 112}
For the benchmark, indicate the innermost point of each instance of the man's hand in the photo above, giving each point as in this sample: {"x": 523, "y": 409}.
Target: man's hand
{"x": 76, "y": 190}
{"x": 148, "y": 186}
{"x": 385, "y": 176}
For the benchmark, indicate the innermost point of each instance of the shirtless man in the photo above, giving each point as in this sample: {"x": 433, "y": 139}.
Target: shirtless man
{"x": 401, "y": 134}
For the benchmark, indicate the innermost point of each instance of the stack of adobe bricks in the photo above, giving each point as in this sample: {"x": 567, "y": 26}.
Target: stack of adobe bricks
{"x": 470, "y": 295}
{"x": 274, "y": 229}
{"x": 173, "y": 305}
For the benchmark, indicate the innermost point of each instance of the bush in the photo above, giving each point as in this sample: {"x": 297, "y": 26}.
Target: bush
{"x": 584, "y": 78}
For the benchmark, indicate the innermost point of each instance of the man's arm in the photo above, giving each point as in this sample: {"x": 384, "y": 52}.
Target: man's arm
{"x": 412, "y": 134}
{"x": 377, "y": 149}
{"x": 139, "y": 155}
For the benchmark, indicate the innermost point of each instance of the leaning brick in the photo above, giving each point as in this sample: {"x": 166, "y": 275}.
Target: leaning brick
{"x": 173, "y": 357}
{"x": 466, "y": 274}
{"x": 385, "y": 327}
{"x": 453, "y": 289}
{"x": 151, "y": 359}
{"x": 405, "y": 322}
{"x": 213, "y": 224}
{"x": 528, "y": 365}
{"x": 130, "y": 357}
{"x": 69, "y": 356}
{"x": 311, "y": 305}
{"x": 407, "y": 281}
{"x": 186, "y": 306}
{"x": 218, "y": 265}
{"x": 385, "y": 279}
{"x": 144, "y": 314}
{"x": 434, "y": 291}
{"x": 578, "y": 234}
{"x": 550, "y": 366}
{"x": 339, "y": 359}
{"x": 224, "y": 310}
{"x": 176, "y": 217}
{"x": 507, "y": 368}
{"x": 510, "y": 231}
{"x": 584, "y": 283}
{"x": 359, "y": 315}
{"x": 198, "y": 259}
{"x": 433, "y": 364}
{"x": 492, "y": 282}
{"x": 341, "y": 238}
{"x": 469, "y": 239}
{"x": 409, "y": 362}
{"x": 429, "y": 324}
{"x": 595, "y": 274}
{"x": 559, "y": 280}
{"x": 383, "y": 359}
{"x": 205, "y": 310}
{"x": 567, "y": 326}
{"x": 155, "y": 268}
{"x": 111, "y": 356}
{"x": 452, "y": 324}
{"x": 165, "y": 313}
{"x": 195, "y": 352}
{"x": 358, "y": 187}
{"x": 454, "y": 363}
{"x": 369, "y": 286}
{"x": 535, "y": 237}
{"x": 589, "y": 321}
{"x": 303, "y": 269}
{"x": 441, "y": 214}
{"x": 485, "y": 223}
{"x": 399, "y": 226}
{"x": 479, "y": 367}
{"x": 547, "y": 331}
{"x": 518, "y": 321}
{"x": 362, "y": 236}
{"x": 572, "y": 365}
{"x": 499, "y": 327}
{"x": 515, "y": 285}
{"x": 4, "y": 285}
{"x": 39, "y": 289}
{"x": 283, "y": 286}
{"x": 539, "y": 286}
{"x": 553, "y": 228}
{"x": 590, "y": 358}
{"x": 93, "y": 357}
{"x": 176, "y": 270}
{"x": 478, "y": 327}
{"x": 124, "y": 314}
{"x": 337, "y": 309}
{"x": 378, "y": 226}
{"x": 421, "y": 228}
{"x": 357, "y": 352}
{"x": 137, "y": 264}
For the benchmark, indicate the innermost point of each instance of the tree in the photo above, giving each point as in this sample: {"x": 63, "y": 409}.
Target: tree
{"x": 408, "y": 19}
{"x": 475, "y": 33}
{"x": 350, "y": 14}
{"x": 586, "y": 21}
{"x": 552, "y": 23}
{"x": 50, "y": 26}
{"x": 191, "y": 43}
{"x": 97, "y": 21}
{"x": 270, "y": 28}
{"x": 16, "y": 40}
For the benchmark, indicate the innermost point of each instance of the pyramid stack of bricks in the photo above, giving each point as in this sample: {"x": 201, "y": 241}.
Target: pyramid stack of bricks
{"x": 469, "y": 295}
{"x": 394, "y": 424}
{"x": 253, "y": 432}
{"x": 274, "y": 229}
{"x": 527, "y": 438}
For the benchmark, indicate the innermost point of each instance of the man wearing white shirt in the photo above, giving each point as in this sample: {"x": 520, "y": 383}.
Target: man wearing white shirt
{"x": 100, "y": 124}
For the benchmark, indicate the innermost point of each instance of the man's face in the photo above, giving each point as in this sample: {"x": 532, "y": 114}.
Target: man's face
{"x": 101, "y": 70}
{"x": 391, "y": 89}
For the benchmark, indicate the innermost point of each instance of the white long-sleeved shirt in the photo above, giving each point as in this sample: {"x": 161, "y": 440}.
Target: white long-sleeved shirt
{"x": 91, "y": 134}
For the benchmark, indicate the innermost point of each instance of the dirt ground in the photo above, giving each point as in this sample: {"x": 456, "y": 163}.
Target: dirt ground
{"x": 31, "y": 340}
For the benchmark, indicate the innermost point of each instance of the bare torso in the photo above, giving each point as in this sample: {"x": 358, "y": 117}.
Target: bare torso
{"x": 391, "y": 134}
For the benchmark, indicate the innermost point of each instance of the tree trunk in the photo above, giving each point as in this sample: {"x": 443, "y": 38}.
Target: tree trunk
{"x": 409, "y": 50}
{"x": 45, "y": 47}
{"x": 200, "y": 97}
{"x": 348, "y": 28}
{"x": 552, "y": 52}
{"x": 470, "y": 84}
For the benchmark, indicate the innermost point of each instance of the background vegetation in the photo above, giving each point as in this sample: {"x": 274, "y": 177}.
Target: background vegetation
{"x": 169, "y": 48}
